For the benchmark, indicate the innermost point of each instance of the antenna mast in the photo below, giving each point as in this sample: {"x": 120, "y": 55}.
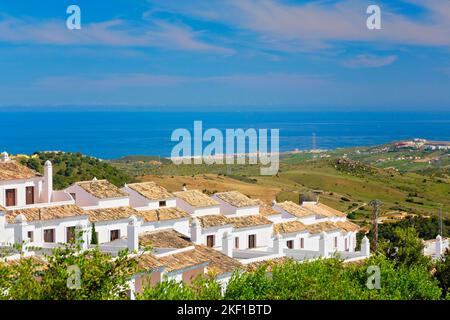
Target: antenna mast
{"x": 376, "y": 205}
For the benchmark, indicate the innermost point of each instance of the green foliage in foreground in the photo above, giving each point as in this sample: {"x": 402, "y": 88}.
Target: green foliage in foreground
{"x": 321, "y": 279}
{"x": 70, "y": 167}
{"x": 104, "y": 277}
{"x": 101, "y": 278}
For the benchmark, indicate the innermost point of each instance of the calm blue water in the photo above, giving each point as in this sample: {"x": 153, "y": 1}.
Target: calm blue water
{"x": 114, "y": 134}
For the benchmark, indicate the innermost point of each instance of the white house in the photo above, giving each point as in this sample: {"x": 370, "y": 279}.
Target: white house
{"x": 97, "y": 194}
{"x": 196, "y": 203}
{"x": 165, "y": 218}
{"x": 149, "y": 196}
{"x": 234, "y": 203}
{"x": 22, "y": 187}
{"x": 43, "y": 227}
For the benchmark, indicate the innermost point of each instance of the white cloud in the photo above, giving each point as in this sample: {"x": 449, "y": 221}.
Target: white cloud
{"x": 320, "y": 24}
{"x": 370, "y": 61}
{"x": 108, "y": 33}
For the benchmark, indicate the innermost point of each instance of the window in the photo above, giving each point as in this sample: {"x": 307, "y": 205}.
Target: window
{"x": 335, "y": 242}
{"x": 29, "y": 195}
{"x": 302, "y": 243}
{"x": 10, "y": 197}
{"x": 114, "y": 235}
{"x": 30, "y": 236}
{"x": 210, "y": 241}
{"x": 236, "y": 242}
{"x": 162, "y": 203}
{"x": 290, "y": 244}
{"x": 252, "y": 241}
{"x": 70, "y": 234}
{"x": 49, "y": 235}
{"x": 74, "y": 196}
{"x": 346, "y": 244}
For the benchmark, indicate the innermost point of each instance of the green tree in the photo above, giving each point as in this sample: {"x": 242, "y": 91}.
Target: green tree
{"x": 405, "y": 247}
{"x": 94, "y": 239}
{"x": 101, "y": 276}
{"x": 442, "y": 274}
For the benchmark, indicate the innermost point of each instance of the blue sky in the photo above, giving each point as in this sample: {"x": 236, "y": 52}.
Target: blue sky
{"x": 227, "y": 54}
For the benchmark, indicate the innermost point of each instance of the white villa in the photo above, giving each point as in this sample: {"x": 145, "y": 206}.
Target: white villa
{"x": 189, "y": 231}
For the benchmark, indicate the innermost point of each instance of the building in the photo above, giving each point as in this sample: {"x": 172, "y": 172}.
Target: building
{"x": 190, "y": 232}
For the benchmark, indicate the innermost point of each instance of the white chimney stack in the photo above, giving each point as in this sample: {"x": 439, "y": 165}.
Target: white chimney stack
{"x": 278, "y": 244}
{"x": 323, "y": 247}
{"x": 196, "y": 231}
{"x": 133, "y": 234}
{"x": 227, "y": 244}
{"x": 4, "y": 156}
{"x": 438, "y": 246}
{"x": 365, "y": 246}
{"x": 48, "y": 181}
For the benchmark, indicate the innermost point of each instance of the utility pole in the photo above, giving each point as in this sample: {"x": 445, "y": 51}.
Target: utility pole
{"x": 376, "y": 205}
{"x": 440, "y": 222}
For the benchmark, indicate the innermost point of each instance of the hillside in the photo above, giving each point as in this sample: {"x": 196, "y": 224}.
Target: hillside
{"x": 71, "y": 167}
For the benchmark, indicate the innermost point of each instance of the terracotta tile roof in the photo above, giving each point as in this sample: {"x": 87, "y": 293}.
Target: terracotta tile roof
{"x": 183, "y": 260}
{"x": 151, "y": 190}
{"x": 162, "y": 214}
{"x": 167, "y": 238}
{"x": 219, "y": 262}
{"x": 289, "y": 227}
{"x": 46, "y": 213}
{"x": 148, "y": 261}
{"x": 249, "y": 221}
{"x": 12, "y": 170}
{"x": 196, "y": 198}
{"x": 101, "y": 189}
{"x": 2, "y": 208}
{"x": 236, "y": 199}
{"x": 211, "y": 221}
{"x": 322, "y": 227}
{"x": 40, "y": 262}
{"x": 109, "y": 214}
{"x": 295, "y": 209}
{"x": 323, "y": 210}
{"x": 266, "y": 209}
{"x": 347, "y": 226}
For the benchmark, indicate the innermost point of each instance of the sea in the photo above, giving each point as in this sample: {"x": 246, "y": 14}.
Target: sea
{"x": 114, "y": 134}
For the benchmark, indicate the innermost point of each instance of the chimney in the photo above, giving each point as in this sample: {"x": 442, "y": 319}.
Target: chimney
{"x": 2, "y": 226}
{"x": 48, "y": 181}
{"x": 184, "y": 188}
{"x": 227, "y": 244}
{"x": 439, "y": 249}
{"x": 196, "y": 231}
{"x": 4, "y": 157}
{"x": 323, "y": 248}
{"x": 278, "y": 245}
{"x": 133, "y": 234}
{"x": 365, "y": 246}
{"x": 20, "y": 233}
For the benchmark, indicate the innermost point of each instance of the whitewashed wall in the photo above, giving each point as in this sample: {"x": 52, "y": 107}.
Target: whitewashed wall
{"x": 86, "y": 200}
{"x": 140, "y": 202}
{"x": 263, "y": 236}
{"x": 20, "y": 186}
